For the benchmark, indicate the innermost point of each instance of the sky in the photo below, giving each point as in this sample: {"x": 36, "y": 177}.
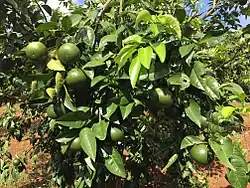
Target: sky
{"x": 243, "y": 20}
{"x": 55, "y": 4}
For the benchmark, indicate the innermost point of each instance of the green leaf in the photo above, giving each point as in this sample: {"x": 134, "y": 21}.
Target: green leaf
{"x": 227, "y": 111}
{"x": 55, "y": 65}
{"x": 134, "y": 71}
{"x": 238, "y": 178}
{"x": 110, "y": 110}
{"x": 212, "y": 36}
{"x": 194, "y": 112}
{"x": 208, "y": 84}
{"x": 144, "y": 16}
{"x": 145, "y": 56}
{"x": 172, "y": 23}
{"x": 185, "y": 50}
{"x": 115, "y": 164}
{"x": 51, "y": 92}
{"x": 238, "y": 162}
{"x": 106, "y": 39}
{"x": 212, "y": 87}
{"x": 86, "y": 35}
{"x": 180, "y": 79}
{"x": 156, "y": 72}
{"x": 75, "y": 19}
{"x": 100, "y": 129}
{"x": 154, "y": 29}
{"x": 66, "y": 23}
{"x": 133, "y": 39}
{"x": 223, "y": 151}
{"x": 180, "y": 13}
{"x": 195, "y": 77}
{"x": 59, "y": 82}
{"x": 75, "y": 119}
{"x": 88, "y": 142}
{"x": 125, "y": 53}
{"x": 46, "y": 27}
{"x": 190, "y": 141}
{"x": 126, "y": 110}
{"x": 170, "y": 162}
{"x": 68, "y": 102}
{"x": 96, "y": 80}
{"x": 160, "y": 50}
{"x": 94, "y": 63}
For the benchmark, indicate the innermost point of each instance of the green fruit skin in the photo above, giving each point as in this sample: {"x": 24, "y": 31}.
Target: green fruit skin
{"x": 16, "y": 162}
{"x": 116, "y": 134}
{"x": 36, "y": 51}
{"x": 51, "y": 112}
{"x": 199, "y": 153}
{"x": 69, "y": 53}
{"x": 76, "y": 78}
{"x": 75, "y": 145}
{"x": 162, "y": 97}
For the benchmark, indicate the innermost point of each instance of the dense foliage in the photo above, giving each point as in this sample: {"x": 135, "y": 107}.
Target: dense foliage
{"x": 123, "y": 86}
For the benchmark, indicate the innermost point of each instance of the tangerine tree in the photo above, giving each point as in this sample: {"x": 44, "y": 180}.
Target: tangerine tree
{"x": 125, "y": 87}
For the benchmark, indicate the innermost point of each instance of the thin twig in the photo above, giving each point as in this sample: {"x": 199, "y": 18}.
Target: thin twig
{"x": 211, "y": 10}
{"x": 44, "y": 15}
{"x": 104, "y": 8}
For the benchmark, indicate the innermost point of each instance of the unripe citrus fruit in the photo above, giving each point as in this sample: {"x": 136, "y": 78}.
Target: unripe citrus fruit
{"x": 76, "y": 78}
{"x": 116, "y": 134}
{"x": 199, "y": 153}
{"x": 16, "y": 161}
{"x": 51, "y": 112}
{"x": 75, "y": 145}
{"x": 36, "y": 51}
{"x": 69, "y": 53}
{"x": 162, "y": 97}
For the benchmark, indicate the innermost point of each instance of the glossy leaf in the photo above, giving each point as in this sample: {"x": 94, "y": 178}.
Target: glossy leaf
{"x": 100, "y": 129}
{"x": 75, "y": 119}
{"x": 106, "y": 39}
{"x": 75, "y": 19}
{"x": 55, "y": 65}
{"x": 46, "y": 27}
{"x": 227, "y": 111}
{"x": 66, "y": 23}
{"x": 126, "y": 110}
{"x": 185, "y": 50}
{"x": 96, "y": 80}
{"x": 195, "y": 78}
{"x": 145, "y": 56}
{"x": 88, "y": 142}
{"x": 172, "y": 23}
{"x": 223, "y": 151}
{"x": 190, "y": 141}
{"x": 180, "y": 79}
{"x": 144, "y": 16}
{"x": 212, "y": 87}
{"x": 160, "y": 50}
{"x": 68, "y": 102}
{"x": 111, "y": 110}
{"x": 194, "y": 112}
{"x": 115, "y": 164}
{"x": 134, "y": 71}
{"x": 51, "y": 92}
{"x": 86, "y": 35}
{"x": 133, "y": 39}
{"x": 125, "y": 53}
{"x": 238, "y": 178}
{"x": 59, "y": 82}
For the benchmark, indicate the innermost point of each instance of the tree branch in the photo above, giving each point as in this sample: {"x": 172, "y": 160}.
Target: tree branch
{"x": 211, "y": 10}
{"x": 39, "y": 6}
